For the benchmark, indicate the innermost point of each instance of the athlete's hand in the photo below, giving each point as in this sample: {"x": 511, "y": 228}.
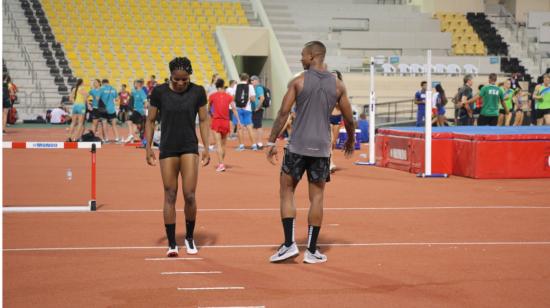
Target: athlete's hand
{"x": 150, "y": 157}
{"x": 205, "y": 157}
{"x": 272, "y": 155}
{"x": 349, "y": 147}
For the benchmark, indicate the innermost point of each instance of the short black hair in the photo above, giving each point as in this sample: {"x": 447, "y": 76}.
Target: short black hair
{"x": 105, "y": 80}
{"x": 493, "y": 77}
{"x": 423, "y": 83}
{"x": 181, "y": 64}
{"x": 220, "y": 83}
{"x": 317, "y": 48}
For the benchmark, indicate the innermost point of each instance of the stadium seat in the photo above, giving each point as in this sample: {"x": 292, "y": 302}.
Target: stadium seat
{"x": 388, "y": 69}
{"x": 470, "y": 69}
{"x": 417, "y": 69}
{"x": 404, "y": 69}
{"x": 453, "y": 69}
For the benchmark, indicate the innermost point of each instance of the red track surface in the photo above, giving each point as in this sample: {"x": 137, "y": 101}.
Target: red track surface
{"x": 392, "y": 239}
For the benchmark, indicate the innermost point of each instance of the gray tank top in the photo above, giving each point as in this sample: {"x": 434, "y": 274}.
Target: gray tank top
{"x": 311, "y": 128}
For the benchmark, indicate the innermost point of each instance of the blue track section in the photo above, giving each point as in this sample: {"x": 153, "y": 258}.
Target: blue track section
{"x": 480, "y": 130}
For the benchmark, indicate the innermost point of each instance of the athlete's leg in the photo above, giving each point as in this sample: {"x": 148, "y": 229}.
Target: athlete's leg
{"x": 508, "y": 118}
{"x": 77, "y": 120}
{"x": 250, "y": 134}
{"x": 189, "y": 168}
{"x": 115, "y": 129}
{"x": 316, "y": 198}
{"x": 218, "y": 142}
{"x": 500, "y": 119}
{"x": 547, "y": 119}
{"x": 169, "y": 170}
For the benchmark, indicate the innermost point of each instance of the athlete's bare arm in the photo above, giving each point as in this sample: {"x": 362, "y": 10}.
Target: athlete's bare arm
{"x": 345, "y": 108}
{"x": 149, "y": 129}
{"x": 294, "y": 86}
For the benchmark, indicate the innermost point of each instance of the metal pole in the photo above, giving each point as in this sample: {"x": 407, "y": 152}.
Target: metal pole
{"x": 428, "y": 120}
{"x": 372, "y": 114}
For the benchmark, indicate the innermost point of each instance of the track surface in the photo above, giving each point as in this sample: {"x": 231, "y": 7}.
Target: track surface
{"x": 392, "y": 239}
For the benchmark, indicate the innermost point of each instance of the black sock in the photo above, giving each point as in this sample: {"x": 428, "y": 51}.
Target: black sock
{"x": 190, "y": 227}
{"x": 312, "y": 235}
{"x": 288, "y": 227}
{"x": 171, "y": 234}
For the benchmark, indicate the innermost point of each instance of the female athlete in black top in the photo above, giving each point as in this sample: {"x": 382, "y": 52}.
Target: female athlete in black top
{"x": 178, "y": 102}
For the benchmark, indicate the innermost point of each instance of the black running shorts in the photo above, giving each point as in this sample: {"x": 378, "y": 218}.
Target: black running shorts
{"x": 318, "y": 168}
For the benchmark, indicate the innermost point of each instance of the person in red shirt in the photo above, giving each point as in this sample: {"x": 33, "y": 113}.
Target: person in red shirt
{"x": 219, "y": 106}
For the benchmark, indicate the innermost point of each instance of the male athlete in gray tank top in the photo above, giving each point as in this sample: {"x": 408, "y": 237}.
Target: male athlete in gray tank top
{"x": 316, "y": 92}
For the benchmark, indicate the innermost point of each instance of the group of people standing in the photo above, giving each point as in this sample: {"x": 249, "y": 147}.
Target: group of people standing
{"x": 100, "y": 104}
{"x": 494, "y": 104}
{"x": 238, "y": 107}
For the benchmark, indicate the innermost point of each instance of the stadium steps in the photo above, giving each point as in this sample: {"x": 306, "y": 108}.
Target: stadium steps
{"x": 31, "y": 102}
{"x": 515, "y": 47}
{"x": 289, "y": 36}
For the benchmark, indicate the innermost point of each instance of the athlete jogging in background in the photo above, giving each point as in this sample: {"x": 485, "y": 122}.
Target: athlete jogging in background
{"x": 316, "y": 92}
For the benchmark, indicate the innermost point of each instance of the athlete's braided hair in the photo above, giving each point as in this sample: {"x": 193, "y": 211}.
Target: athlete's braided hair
{"x": 182, "y": 64}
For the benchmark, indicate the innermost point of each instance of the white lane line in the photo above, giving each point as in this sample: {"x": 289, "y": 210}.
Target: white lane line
{"x": 231, "y": 307}
{"x": 247, "y": 246}
{"x": 190, "y": 273}
{"x": 414, "y": 208}
{"x": 210, "y": 288}
{"x": 172, "y": 259}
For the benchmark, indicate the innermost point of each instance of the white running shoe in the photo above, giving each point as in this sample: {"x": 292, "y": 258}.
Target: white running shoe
{"x": 190, "y": 246}
{"x": 284, "y": 253}
{"x": 172, "y": 252}
{"x": 129, "y": 139}
{"x": 240, "y": 148}
{"x": 313, "y": 258}
{"x": 221, "y": 168}
{"x": 211, "y": 147}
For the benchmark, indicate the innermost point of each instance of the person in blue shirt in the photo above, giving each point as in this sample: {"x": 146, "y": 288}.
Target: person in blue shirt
{"x": 257, "y": 113}
{"x": 107, "y": 95}
{"x": 94, "y": 108}
{"x": 135, "y": 122}
{"x": 363, "y": 125}
{"x": 420, "y": 101}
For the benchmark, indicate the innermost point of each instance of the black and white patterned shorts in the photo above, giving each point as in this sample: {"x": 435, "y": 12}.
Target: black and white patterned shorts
{"x": 318, "y": 168}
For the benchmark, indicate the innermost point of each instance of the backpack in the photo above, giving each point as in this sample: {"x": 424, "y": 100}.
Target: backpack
{"x": 241, "y": 95}
{"x": 458, "y": 96}
{"x": 267, "y": 97}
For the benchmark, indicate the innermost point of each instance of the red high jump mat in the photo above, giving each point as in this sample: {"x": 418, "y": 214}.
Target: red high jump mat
{"x": 470, "y": 151}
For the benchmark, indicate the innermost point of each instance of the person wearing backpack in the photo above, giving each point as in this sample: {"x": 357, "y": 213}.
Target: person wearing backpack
{"x": 243, "y": 96}
{"x": 263, "y": 99}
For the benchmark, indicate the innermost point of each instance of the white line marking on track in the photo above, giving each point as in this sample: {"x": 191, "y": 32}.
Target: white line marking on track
{"x": 247, "y": 246}
{"x": 414, "y": 208}
{"x": 232, "y": 307}
{"x": 190, "y": 273}
{"x": 172, "y": 259}
{"x": 210, "y": 288}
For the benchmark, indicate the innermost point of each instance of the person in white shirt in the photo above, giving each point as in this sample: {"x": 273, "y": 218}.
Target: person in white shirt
{"x": 243, "y": 95}
{"x": 58, "y": 116}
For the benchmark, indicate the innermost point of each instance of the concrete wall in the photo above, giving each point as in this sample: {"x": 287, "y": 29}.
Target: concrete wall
{"x": 462, "y": 6}
{"x": 247, "y": 41}
{"x": 482, "y": 63}
{"x": 394, "y": 40}
{"x": 521, "y": 8}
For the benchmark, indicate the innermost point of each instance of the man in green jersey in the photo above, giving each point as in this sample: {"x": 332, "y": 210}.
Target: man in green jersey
{"x": 492, "y": 96}
{"x": 542, "y": 100}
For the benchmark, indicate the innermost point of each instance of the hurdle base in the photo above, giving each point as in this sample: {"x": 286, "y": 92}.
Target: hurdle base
{"x": 433, "y": 175}
{"x": 363, "y": 163}
{"x": 45, "y": 209}
{"x": 92, "y": 204}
